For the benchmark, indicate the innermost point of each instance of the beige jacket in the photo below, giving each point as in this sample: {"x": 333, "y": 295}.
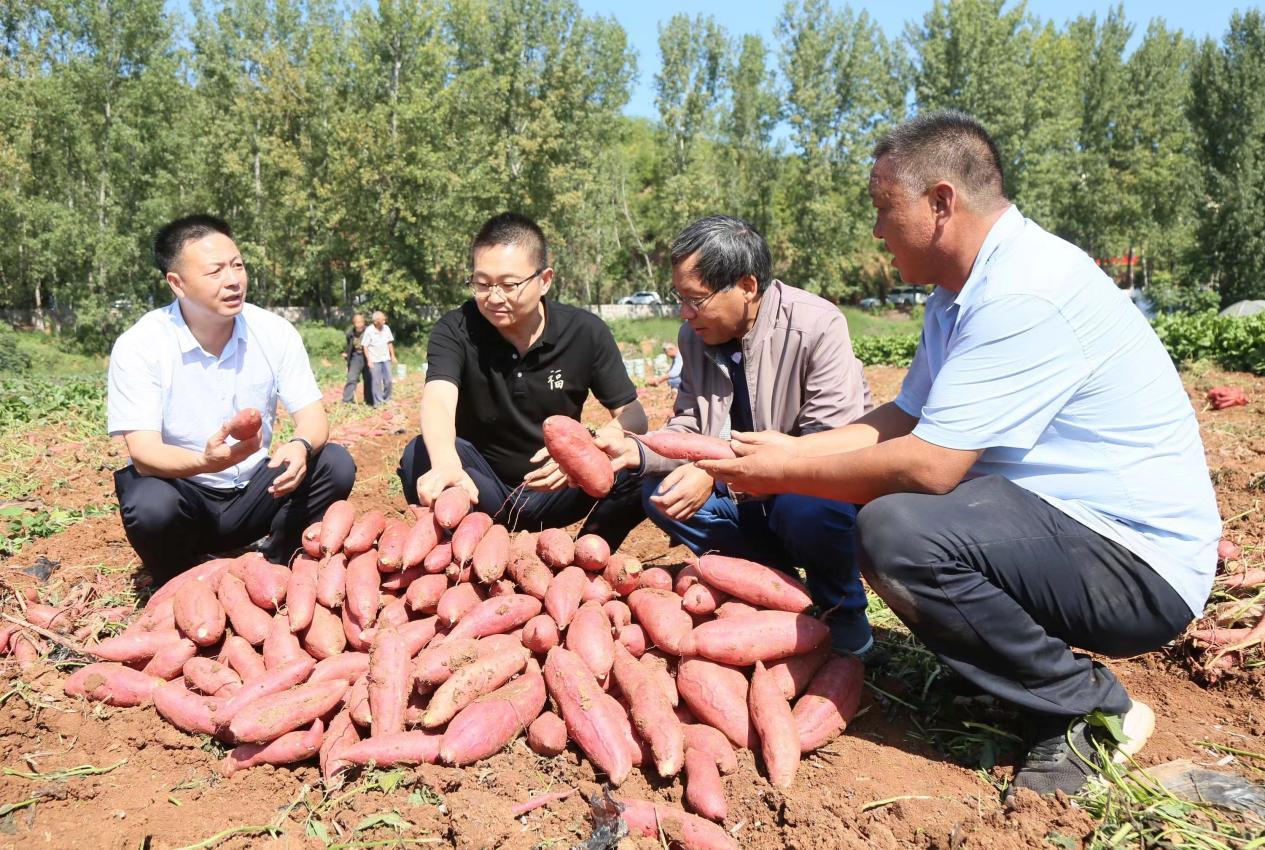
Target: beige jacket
{"x": 800, "y": 369}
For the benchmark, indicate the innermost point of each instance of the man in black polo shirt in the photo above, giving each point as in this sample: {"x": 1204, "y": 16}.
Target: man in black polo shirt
{"x": 497, "y": 367}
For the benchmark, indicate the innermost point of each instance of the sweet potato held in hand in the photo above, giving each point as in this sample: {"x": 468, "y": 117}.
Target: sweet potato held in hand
{"x": 571, "y": 446}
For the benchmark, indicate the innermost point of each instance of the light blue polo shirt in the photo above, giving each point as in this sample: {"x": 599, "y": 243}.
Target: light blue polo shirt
{"x": 1042, "y": 362}
{"x": 161, "y": 379}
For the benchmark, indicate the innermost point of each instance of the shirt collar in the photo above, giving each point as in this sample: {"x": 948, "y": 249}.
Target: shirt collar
{"x": 188, "y": 342}
{"x": 1007, "y": 226}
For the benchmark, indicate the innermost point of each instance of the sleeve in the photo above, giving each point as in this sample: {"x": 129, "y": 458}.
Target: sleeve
{"x": 296, "y": 385}
{"x": 445, "y": 353}
{"x": 134, "y": 394}
{"x": 917, "y": 383}
{"x": 610, "y": 384}
{"x": 1013, "y": 367}
{"x": 834, "y": 392}
{"x": 677, "y": 363}
{"x": 387, "y": 336}
{"x": 349, "y": 348}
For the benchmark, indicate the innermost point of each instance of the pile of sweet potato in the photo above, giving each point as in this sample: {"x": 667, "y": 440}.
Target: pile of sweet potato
{"x": 1232, "y": 630}
{"x": 442, "y": 639}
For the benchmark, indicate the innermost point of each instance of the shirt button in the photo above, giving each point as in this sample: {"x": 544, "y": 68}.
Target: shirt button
{"x": 520, "y": 374}
{"x": 514, "y": 355}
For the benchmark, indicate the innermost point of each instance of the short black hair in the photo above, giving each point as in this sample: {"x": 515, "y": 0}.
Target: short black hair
{"x": 171, "y": 237}
{"x": 511, "y": 228}
{"x": 728, "y": 250}
{"x": 946, "y": 145}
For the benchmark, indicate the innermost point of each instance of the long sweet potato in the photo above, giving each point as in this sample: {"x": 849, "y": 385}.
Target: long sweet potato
{"x": 211, "y": 677}
{"x": 562, "y": 599}
{"x": 357, "y": 702}
{"x": 291, "y": 747}
{"x": 345, "y": 667}
{"x": 301, "y": 593}
{"x": 757, "y": 584}
{"x": 588, "y": 718}
{"x": 658, "y": 668}
{"x": 354, "y": 631}
{"x": 711, "y": 740}
{"x": 678, "y": 826}
{"x": 529, "y": 573}
{"x": 775, "y": 725}
{"x": 687, "y": 446}
{"x": 364, "y": 533}
{"x": 793, "y": 674}
{"x": 704, "y": 792}
{"x": 571, "y": 446}
{"x": 482, "y": 728}
{"x": 830, "y": 702}
{"x": 199, "y": 614}
{"x": 555, "y": 547}
{"x": 412, "y": 747}
{"x": 168, "y": 662}
{"x": 471, "y": 682}
{"x": 422, "y": 537}
{"x": 451, "y": 507}
{"x": 467, "y": 536}
{"x": 391, "y": 546}
{"x": 266, "y": 583}
{"x": 589, "y": 636}
{"x": 340, "y": 735}
{"x": 491, "y": 555}
{"x": 547, "y": 734}
{"x": 331, "y": 580}
{"x": 238, "y": 654}
{"x": 496, "y": 615}
{"x": 335, "y": 525}
{"x": 400, "y": 582}
{"x": 281, "y": 646}
{"x": 248, "y": 619}
{"x": 186, "y": 710}
{"x": 269, "y": 717}
{"x": 133, "y": 648}
{"x": 390, "y": 680}
{"x": 717, "y": 695}
{"x": 455, "y": 602}
{"x": 363, "y": 582}
{"x": 112, "y": 683}
{"x": 436, "y": 664}
{"x": 591, "y": 553}
{"x": 652, "y": 715}
{"x": 325, "y": 636}
{"x": 272, "y": 682}
{"x": 666, "y": 624}
{"x": 762, "y": 636}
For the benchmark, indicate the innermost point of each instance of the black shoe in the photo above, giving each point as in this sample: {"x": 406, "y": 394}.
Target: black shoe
{"x": 1062, "y": 757}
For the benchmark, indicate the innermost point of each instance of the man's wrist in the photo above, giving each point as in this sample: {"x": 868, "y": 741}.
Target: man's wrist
{"x": 306, "y": 445}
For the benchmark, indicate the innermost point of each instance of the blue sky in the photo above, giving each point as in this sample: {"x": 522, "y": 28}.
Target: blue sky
{"x": 641, "y": 19}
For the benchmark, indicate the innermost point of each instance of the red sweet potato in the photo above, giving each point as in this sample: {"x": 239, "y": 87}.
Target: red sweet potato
{"x": 271, "y": 716}
{"x": 469, "y": 683}
{"x": 291, "y": 747}
{"x": 658, "y": 667}
{"x": 340, "y": 735}
{"x": 242, "y": 657}
{"x": 331, "y": 580}
{"x": 363, "y": 582}
{"x": 623, "y": 573}
{"x": 652, "y": 715}
{"x": 774, "y": 724}
{"x": 186, "y": 710}
{"x": 168, "y": 662}
{"x": 562, "y": 599}
{"x": 679, "y": 827}
{"x": 666, "y": 624}
{"x": 391, "y": 546}
{"x": 717, "y": 695}
{"x": 704, "y": 792}
{"x": 211, "y": 677}
{"x": 422, "y": 538}
{"x": 354, "y": 631}
{"x": 547, "y": 734}
{"x": 133, "y": 648}
{"x": 272, "y": 682}
{"x": 571, "y": 446}
{"x": 357, "y": 702}
{"x": 424, "y": 593}
{"x": 496, "y": 615}
{"x": 451, "y": 507}
{"x": 589, "y": 719}
{"x": 112, "y": 683}
{"x": 540, "y": 634}
{"x": 618, "y": 612}
{"x": 412, "y": 747}
{"x": 438, "y": 559}
{"x": 467, "y": 536}
{"x": 281, "y": 646}
{"x": 701, "y": 600}
{"x": 762, "y": 636}
{"x": 830, "y": 702}
{"x": 335, "y": 525}
{"x": 436, "y": 664}
{"x": 399, "y": 582}
{"x": 325, "y": 636}
{"x": 712, "y": 741}
{"x": 556, "y": 548}
{"x": 491, "y": 555}
{"x": 312, "y": 540}
{"x": 266, "y": 583}
{"x": 199, "y": 614}
{"x": 529, "y": 573}
{"x": 345, "y": 667}
{"x": 364, "y": 533}
{"x": 301, "y": 593}
{"x": 245, "y": 423}
{"x": 598, "y": 590}
{"x": 655, "y": 577}
{"x": 455, "y": 602}
{"x": 482, "y": 728}
{"x": 633, "y": 638}
{"x": 394, "y": 612}
{"x": 757, "y": 584}
{"x": 687, "y": 446}
{"x": 591, "y": 553}
{"x": 733, "y": 608}
{"x": 793, "y": 674}
{"x": 390, "y": 679}
{"x": 589, "y": 636}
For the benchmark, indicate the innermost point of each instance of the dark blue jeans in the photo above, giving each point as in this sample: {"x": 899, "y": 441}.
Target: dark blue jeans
{"x": 784, "y": 532}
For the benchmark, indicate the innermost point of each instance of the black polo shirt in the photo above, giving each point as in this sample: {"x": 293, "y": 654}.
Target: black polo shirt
{"x": 503, "y": 399}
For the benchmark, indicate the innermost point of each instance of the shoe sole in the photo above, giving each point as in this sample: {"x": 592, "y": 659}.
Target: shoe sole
{"x": 1139, "y": 726}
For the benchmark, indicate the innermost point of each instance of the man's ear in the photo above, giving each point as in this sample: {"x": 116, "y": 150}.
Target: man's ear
{"x": 546, "y": 281}
{"x": 176, "y": 284}
{"x": 943, "y": 198}
{"x": 750, "y": 287}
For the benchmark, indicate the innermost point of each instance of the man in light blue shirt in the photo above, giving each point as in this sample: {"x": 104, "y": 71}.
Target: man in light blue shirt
{"x": 177, "y": 376}
{"x": 1039, "y": 483}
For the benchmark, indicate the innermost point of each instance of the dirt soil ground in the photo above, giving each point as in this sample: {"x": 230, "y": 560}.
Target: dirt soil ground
{"x": 875, "y": 787}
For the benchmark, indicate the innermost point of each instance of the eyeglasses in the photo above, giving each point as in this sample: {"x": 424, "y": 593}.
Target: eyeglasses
{"x": 695, "y": 304}
{"x": 507, "y": 288}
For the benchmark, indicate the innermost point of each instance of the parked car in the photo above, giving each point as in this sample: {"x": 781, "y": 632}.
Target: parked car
{"x": 871, "y": 303}
{"x": 907, "y": 296}
{"x": 642, "y": 297}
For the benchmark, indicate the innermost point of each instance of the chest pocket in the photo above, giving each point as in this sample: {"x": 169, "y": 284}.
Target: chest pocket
{"x": 258, "y": 394}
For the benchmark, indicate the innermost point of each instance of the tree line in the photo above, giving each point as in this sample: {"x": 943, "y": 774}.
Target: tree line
{"x": 355, "y": 147}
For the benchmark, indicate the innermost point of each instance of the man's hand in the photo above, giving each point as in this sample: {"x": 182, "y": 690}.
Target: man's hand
{"x": 748, "y": 442}
{"x": 761, "y": 472}
{"x": 621, "y": 449}
{"x": 218, "y": 455}
{"x": 440, "y": 478}
{"x": 294, "y": 457}
{"x": 683, "y": 491}
{"x": 548, "y": 477}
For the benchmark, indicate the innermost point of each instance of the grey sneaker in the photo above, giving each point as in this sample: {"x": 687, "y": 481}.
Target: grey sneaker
{"x": 1065, "y": 753}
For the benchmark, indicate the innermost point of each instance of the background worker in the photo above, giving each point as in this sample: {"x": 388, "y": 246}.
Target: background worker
{"x": 379, "y": 345}
{"x": 357, "y": 366}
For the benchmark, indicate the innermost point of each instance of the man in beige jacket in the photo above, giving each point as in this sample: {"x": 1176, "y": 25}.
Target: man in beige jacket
{"x": 758, "y": 355}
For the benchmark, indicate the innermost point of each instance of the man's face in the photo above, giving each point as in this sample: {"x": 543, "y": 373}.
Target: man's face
{"x": 210, "y": 276}
{"x": 498, "y": 268}
{"x": 379, "y": 320}
{"x": 722, "y": 316}
{"x": 906, "y": 223}
{"x": 358, "y": 323}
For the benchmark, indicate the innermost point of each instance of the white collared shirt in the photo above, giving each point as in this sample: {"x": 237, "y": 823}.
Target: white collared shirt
{"x": 161, "y": 379}
{"x": 1046, "y": 365}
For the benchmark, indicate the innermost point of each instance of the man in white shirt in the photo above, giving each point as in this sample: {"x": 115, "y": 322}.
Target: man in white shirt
{"x": 673, "y": 376}
{"x": 1038, "y": 483}
{"x": 175, "y": 379}
{"x": 379, "y": 344}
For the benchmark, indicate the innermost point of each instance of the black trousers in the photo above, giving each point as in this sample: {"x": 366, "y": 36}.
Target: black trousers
{"x": 532, "y": 510}
{"x": 173, "y": 523}
{"x": 1000, "y": 585}
{"x": 357, "y": 370}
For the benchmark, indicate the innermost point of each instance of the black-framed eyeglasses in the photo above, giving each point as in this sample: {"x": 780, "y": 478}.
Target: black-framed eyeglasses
{"x": 695, "y": 304}
{"x": 507, "y": 288}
